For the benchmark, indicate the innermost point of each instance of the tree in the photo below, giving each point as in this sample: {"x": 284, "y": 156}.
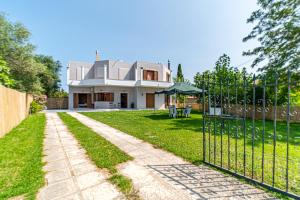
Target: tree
{"x": 226, "y": 77}
{"x": 16, "y": 50}
{"x": 49, "y": 77}
{"x": 34, "y": 74}
{"x": 278, "y": 31}
{"x": 179, "y": 77}
{"x": 5, "y": 78}
{"x": 59, "y": 93}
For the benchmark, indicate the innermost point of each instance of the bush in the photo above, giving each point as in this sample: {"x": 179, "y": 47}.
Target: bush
{"x": 35, "y": 107}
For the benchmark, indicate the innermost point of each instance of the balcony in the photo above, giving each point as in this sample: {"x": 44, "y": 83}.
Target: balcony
{"x": 120, "y": 83}
{"x": 157, "y": 84}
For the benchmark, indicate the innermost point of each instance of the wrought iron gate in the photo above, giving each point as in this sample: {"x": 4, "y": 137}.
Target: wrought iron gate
{"x": 250, "y": 132}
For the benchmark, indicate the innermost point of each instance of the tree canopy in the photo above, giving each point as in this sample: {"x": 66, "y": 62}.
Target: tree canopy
{"x": 277, "y": 28}
{"x": 29, "y": 72}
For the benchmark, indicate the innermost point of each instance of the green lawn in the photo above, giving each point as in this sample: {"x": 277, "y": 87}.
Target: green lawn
{"x": 184, "y": 138}
{"x": 103, "y": 153}
{"x": 21, "y": 159}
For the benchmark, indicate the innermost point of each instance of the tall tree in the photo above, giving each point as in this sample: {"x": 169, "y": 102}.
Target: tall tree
{"x": 277, "y": 29}
{"x": 179, "y": 77}
{"x": 16, "y": 50}
{"x": 34, "y": 74}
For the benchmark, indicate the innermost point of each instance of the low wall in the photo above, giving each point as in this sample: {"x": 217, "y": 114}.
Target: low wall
{"x": 57, "y": 103}
{"x": 237, "y": 110}
{"x": 281, "y": 112}
{"x": 14, "y": 107}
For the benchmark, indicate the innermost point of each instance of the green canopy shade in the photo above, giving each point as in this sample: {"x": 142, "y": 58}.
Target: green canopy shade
{"x": 181, "y": 88}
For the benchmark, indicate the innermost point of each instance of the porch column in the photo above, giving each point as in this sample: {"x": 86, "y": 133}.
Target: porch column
{"x": 142, "y": 72}
{"x": 105, "y": 74}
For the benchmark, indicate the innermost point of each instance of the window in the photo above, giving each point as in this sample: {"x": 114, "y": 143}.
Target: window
{"x": 150, "y": 75}
{"x": 104, "y": 96}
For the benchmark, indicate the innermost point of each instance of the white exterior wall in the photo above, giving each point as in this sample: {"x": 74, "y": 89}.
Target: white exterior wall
{"x": 117, "y": 94}
{"x": 116, "y": 90}
{"x": 141, "y": 98}
{"x": 73, "y": 90}
{"x": 136, "y": 95}
{"x": 160, "y": 68}
{"x": 118, "y": 77}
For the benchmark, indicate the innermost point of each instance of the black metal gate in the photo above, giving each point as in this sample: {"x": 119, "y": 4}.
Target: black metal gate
{"x": 252, "y": 130}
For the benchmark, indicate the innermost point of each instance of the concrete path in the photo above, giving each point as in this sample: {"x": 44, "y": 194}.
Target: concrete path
{"x": 69, "y": 172}
{"x": 157, "y": 174}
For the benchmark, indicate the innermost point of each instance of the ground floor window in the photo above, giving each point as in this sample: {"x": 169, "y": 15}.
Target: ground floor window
{"x": 82, "y": 100}
{"x": 104, "y": 96}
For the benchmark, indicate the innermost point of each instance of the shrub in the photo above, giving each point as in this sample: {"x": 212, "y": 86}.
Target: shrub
{"x": 35, "y": 107}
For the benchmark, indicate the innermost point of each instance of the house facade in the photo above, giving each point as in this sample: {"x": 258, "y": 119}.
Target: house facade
{"x": 118, "y": 84}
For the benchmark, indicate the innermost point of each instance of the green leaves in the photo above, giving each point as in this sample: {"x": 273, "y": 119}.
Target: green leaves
{"x": 31, "y": 73}
{"x": 277, "y": 29}
{"x": 5, "y": 78}
{"x": 179, "y": 78}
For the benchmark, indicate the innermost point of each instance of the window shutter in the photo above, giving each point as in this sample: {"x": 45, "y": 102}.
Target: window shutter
{"x": 155, "y": 75}
{"x": 145, "y": 75}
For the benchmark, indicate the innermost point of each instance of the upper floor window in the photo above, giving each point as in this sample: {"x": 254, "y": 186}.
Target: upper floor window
{"x": 150, "y": 75}
{"x": 104, "y": 96}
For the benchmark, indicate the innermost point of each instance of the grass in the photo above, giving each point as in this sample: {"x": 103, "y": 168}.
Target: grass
{"x": 103, "y": 153}
{"x": 21, "y": 159}
{"x": 184, "y": 138}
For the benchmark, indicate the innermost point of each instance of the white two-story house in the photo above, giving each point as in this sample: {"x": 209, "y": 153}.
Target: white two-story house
{"x": 118, "y": 84}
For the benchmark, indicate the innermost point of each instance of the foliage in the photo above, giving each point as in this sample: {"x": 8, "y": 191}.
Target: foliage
{"x": 5, "y": 78}
{"x": 225, "y": 76}
{"x": 35, "y": 107}
{"x": 295, "y": 98}
{"x": 179, "y": 77}
{"x": 21, "y": 159}
{"x": 34, "y": 74}
{"x": 49, "y": 77}
{"x": 59, "y": 94}
{"x": 277, "y": 29}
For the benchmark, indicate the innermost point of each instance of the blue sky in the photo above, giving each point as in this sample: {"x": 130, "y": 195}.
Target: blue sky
{"x": 191, "y": 32}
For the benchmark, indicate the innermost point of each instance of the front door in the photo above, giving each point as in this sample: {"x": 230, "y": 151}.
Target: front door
{"x": 124, "y": 100}
{"x": 150, "y": 100}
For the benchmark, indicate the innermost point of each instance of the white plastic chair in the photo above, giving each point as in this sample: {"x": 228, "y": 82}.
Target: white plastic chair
{"x": 187, "y": 111}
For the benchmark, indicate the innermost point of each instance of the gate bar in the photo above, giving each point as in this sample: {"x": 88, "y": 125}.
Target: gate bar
{"x": 274, "y": 136}
{"x": 288, "y": 116}
{"x": 253, "y": 125}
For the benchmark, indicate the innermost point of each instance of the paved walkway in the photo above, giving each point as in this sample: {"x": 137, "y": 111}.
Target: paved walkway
{"x": 70, "y": 174}
{"x": 157, "y": 174}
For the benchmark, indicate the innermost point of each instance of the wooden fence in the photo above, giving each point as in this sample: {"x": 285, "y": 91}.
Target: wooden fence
{"x": 57, "y": 103}
{"x": 14, "y": 107}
